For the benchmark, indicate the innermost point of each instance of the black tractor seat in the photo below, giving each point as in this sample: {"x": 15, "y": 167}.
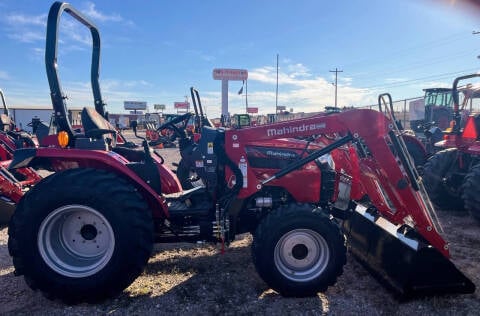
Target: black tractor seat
{"x": 6, "y": 121}
{"x": 95, "y": 125}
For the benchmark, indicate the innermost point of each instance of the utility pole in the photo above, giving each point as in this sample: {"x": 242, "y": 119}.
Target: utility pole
{"x": 336, "y": 71}
{"x": 276, "y": 92}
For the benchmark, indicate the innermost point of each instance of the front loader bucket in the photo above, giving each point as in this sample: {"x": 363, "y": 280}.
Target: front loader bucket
{"x": 400, "y": 259}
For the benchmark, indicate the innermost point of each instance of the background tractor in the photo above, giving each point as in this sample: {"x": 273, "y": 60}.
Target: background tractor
{"x": 10, "y": 136}
{"x": 13, "y": 183}
{"x": 452, "y": 175}
{"x": 436, "y": 108}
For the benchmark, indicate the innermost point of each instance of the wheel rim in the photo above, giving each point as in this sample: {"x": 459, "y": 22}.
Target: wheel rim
{"x": 76, "y": 241}
{"x": 301, "y": 255}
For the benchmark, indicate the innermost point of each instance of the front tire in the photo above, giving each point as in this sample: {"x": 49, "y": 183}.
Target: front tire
{"x": 81, "y": 235}
{"x": 415, "y": 150}
{"x": 434, "y": 172}
{"x": 298, "y": 251}
{"x": 471, "y": 192}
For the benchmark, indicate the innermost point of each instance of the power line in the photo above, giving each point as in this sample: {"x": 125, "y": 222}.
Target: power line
{"x": 432, "y": 77}
{"x": 414, "y": 65}
{"x": 413, "y": 49}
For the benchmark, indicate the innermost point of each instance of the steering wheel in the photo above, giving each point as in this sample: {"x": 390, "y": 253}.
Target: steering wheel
{"x": 172, "y": 123}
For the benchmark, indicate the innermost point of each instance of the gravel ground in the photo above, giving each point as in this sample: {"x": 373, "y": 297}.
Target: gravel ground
{"x": 196, "y": 279}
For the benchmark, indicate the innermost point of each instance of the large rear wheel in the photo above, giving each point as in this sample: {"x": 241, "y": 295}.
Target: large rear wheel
{"x": 298, "y": 251}
{"x": 81, "y": 235}
{"x": 471, "y": 192}
{"x": 442, "y": 190}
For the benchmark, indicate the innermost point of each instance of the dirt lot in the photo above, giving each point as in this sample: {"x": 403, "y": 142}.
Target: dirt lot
{"x": 197, "y": 279}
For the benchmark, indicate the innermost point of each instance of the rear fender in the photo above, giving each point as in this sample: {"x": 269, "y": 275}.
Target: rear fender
{"x": 63, "y": 159}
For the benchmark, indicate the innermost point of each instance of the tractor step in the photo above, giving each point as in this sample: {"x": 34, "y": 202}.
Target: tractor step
{"x": 193, "y": 202}
{"x": 400, "y": 259}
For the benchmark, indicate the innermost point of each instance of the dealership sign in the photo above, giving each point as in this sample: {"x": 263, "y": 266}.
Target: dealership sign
{"x": 230, "y": 74}
{"x": 181, "y": 105}
{"x": 252, "y": 110}
{"x": 159, "y": 106}
{"x": 134, "y": 105}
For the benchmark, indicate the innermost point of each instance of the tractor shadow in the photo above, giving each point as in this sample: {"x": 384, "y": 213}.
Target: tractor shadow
{"x": 202, "y": 280}
{"x": 198, "y": 279}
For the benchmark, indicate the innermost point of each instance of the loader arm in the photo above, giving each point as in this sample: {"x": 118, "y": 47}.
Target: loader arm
{"x": 377, "y": 159}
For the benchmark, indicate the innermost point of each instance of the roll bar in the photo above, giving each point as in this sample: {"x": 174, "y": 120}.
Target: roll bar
{"x": 197, "y": 106}
{"x": 390, "y": 103}
{"x": 51, "y": 50}
{"x": 5, "y": 108}
{"x": 456, "y": 101}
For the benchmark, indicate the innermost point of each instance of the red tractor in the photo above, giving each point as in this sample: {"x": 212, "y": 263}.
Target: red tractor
{"x": 86, "y": 232}
{"x": 452, "y": 175}
{"x": 10, "y": 136}
{"x": 12, "y": 183}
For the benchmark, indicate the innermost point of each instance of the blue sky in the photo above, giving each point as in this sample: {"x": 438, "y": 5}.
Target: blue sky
{"x": 154, "y": 51}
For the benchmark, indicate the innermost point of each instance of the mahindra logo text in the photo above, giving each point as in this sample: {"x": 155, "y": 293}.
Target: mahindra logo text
{"x": 294, "y": 129}
{"x": 281, "y": 154}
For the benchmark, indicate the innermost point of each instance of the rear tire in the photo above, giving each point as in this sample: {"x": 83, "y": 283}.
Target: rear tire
{"x": 471, "y": 192}
{"x": 298, "y": 251}
{"x": 415, "y": 150}
{"x": 81, "y": 235}
{"x": 434, "y": 172}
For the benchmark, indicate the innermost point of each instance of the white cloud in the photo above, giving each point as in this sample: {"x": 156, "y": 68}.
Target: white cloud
{"x": 298, "y": 70}
{"x": 4, "y": 75}
{"x": 22, "y": 19}
{"x": 70, "y": 30}
{"x": 25, "y": 28}
{"x": 31, "y": 28}
{"x": 396, "y": 80}
{"x": 27, "y": 36}
{"x": 112, "y": 84}
{"x": 299, "y": 89}
{"x": 435, "y": 84}
{"x": 200, "y": 54}
{"x": 303, "y": 91}
{"x": 92, "y": 12}
{"x": 114, "y": 92}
